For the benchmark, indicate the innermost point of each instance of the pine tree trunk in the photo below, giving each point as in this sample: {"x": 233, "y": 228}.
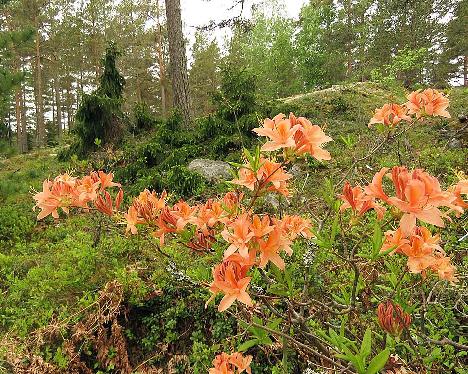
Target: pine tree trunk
{"x": 24, "y": 125}
{"x": 178, "y": 60}
{"x": 69, "y": 107}
{"x": 58, "y": 105}
{"x": 465, "y": 71}
{"x": 349, "y": 25}
{"x": 162, "y": 73}
{"x": 161, "y": 63}
{"x": 40, "y": 127}
{"x": 19, "y": 138}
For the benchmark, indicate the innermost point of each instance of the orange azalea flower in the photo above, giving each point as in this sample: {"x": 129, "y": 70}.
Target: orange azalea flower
{"x": 445, "y": 270}
{"x": 270, "y": 175}
{"x": 184, "y": 213}
{"x": 203, "y": 220}
{"x": 310, "y": 139}
{"x": 227, "y": 364}
{"x": 270, "y": 248}
{"x": 240, "y": 236}
{"x": 280, "y": 131}
{"x": 261, "y": 226}
{"x": 218, "y": 214}
{"x": 87, "y": 189}
{"x": 230, "y": 278}
{"x": 105, "y": 205}
{"x": 461, "y": 188}
{"x": 429, "y": 102}
{"x": 106, "y": 180}
{"x": 375, "y": 188}
{"x": 395, "y": 240}
{"x": 221, "y": 365}
{"x": 390, "y": 115}
{"x": 247, "y": 178}
{"x": 242, "y": 363}
{"x": 273, "y": 172}
{"x": 132, "y": 219}
{"x": 418, "y": 196}
{"x": 292, "y": 226}
{"x": 202, "y": 242}
{"x": 67, "y": 179}
{"x": 54, "y": 195}
{"x": 149, "y": 205}
{"x": 421, "y": 250}
{"x": 167, "y": 223}
{"x": 231, "y": 202}
{"x": 359, "y": 202}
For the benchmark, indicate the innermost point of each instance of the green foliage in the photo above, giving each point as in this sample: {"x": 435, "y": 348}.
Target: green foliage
{"x": 402, "y": 68}
{"x": 144, "y": 120}
{"x": 6, "y": 150}
{"x": 15, "y": 226}
{"x": 99, "y": 115}
{"x": 204, "y": 75}
{"x": 268, "y": 50}
{"x": 359, "y": 356}
{"x": 185, "y": 182}
{"x": 237, "y": 94}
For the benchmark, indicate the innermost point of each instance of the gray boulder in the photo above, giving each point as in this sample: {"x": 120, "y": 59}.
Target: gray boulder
{"x": 211, "y": 170}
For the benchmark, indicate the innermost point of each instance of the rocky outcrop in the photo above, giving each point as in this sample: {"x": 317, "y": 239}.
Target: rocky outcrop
{"x": 211, "y": 170}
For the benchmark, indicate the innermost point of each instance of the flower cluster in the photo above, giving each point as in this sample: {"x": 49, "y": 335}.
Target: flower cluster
{"x": 392, "y": 318}
{"x": 234, "y": 363}
{"x": 390, "y": 115}
{"x": 252, "y": 239}
{"x": 296, "y": 134}
{"x": 269, "y": 176}
{"x": 67, "y": 192}
{"x": 359, "y": 202}
{"x": 427, "y": 103}
{"x": 423, "y": 252}
{"x": 418, "y": 196}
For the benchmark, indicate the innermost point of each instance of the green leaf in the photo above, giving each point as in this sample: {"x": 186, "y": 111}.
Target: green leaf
{"x": 384, "y": 253}
{"x": 376, "y": 239}
{"x": 248, "y": 344}
{"x": 287, "y": 276}
{"x": 278, "y": 289}
{"x": 273, "y": 325}
{"x": 365, "y": 350}
{"x": 335, "y": 227}
{"x": 378, "y": 362}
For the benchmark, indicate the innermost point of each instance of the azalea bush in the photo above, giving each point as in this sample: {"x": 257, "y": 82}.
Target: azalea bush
{"x": 349, "y": 291}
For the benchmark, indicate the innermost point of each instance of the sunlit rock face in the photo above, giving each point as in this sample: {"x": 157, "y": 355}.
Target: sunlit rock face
{"x": 211, "y": 170}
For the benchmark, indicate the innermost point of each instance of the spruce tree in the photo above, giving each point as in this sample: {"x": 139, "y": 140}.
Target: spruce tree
{"x": 99, "y": 116}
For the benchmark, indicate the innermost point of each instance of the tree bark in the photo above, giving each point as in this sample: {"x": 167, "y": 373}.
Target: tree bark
{"x": 58, "y": 105}
{"x": 24, "y": 125}
{"x": 19, "y": 136}
{"x": 161, "y": 63}
{"x": 178, "y": 60}
{"x": 69, "y": 106}
{"x": 465, "y": 71}
{"x": 40, "y": 127}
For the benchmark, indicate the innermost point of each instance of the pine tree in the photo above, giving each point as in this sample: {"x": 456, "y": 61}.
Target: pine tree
{"x": 11, "y": 75}
{"x": 204, "y": 73}
{"x": 457, "y": 43}
{"x": 178, "y": 60}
